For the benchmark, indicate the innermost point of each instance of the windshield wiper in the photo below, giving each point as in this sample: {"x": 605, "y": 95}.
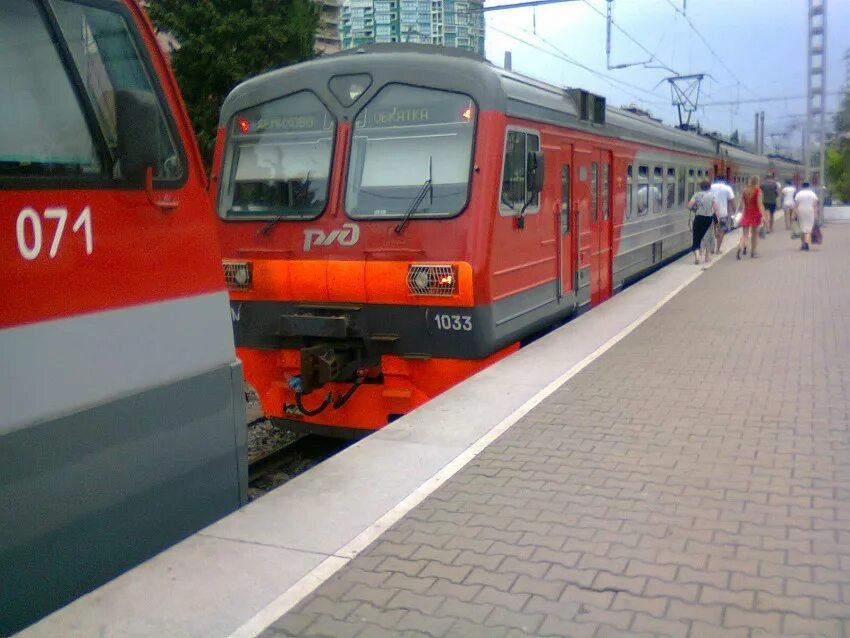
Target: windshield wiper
{"x": 270, "y": 224}
{"x": 427, "y": 187}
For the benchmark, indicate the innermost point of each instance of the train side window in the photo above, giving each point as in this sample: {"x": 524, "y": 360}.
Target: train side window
{"x": 605, "y": 189}
{"x": 565, "y": 199}
{"x": 691, "y": 183}
{"x": 629, "y": 198}
{"x": 643, "y": 191}
{"x": 515, "y": 191}
{"x": 681, "y": 186}
{"x": 670, "y": 188}
{"x": 657, "y": 189}
{"x": 594, "y": 191}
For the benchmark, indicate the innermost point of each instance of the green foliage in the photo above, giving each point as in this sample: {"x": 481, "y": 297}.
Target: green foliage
{"x": 838, "y": 169}
{"x": 842, "y": 117}
{"x": 222, "y": 42}
{"x": 838, "y": 153}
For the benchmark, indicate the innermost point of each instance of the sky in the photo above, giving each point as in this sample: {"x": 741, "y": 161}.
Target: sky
{"x": 759, "y": 51}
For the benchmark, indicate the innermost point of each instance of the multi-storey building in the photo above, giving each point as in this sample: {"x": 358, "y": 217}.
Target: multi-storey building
{"x": 327, "y": 34}
{"x": 451, "y": 23}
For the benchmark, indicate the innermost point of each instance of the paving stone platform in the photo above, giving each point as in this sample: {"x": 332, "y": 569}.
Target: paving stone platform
{"x": 692, "y": 481}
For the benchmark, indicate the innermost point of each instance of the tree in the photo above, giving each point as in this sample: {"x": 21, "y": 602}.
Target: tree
{"x": 838, "y": 152}
{"x": 222, "y": 42}
{"x": 842, "y": 117}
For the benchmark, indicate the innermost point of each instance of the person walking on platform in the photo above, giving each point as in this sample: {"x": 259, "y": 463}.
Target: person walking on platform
{"x": 805, "y": 209}
{"x": 753, "y": 205}
{"x": 705, "y": 211}
{"x": 725, "y": 197}
{"x": 770, "y": 193}
{"x": 787, "y": 196}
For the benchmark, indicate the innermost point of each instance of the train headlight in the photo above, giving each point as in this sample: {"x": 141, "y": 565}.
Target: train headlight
{"x": 237, "y": 275}
{"x": 432, "y": 279}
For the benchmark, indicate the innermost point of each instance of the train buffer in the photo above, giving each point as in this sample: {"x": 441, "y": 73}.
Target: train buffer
{"x": 674, "y": 462}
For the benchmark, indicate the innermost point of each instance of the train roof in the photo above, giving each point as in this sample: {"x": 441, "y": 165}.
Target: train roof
{"x": 492, "y": 88}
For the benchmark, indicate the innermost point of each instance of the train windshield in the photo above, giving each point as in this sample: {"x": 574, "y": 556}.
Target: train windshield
{"x": 279, "y": 159}
{"x": 412, "y": 147}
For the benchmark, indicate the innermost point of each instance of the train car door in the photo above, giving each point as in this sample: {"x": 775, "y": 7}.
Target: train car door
{"x": 601, "y": 225}
{"x": 565, "y": 225}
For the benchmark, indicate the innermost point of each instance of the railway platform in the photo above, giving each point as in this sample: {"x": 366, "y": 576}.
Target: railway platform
{"x": 674, "y": 462}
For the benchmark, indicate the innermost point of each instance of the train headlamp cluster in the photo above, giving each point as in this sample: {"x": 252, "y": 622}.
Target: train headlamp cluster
{"x": 439, "y": 280}
{"x": 237, "y": 275}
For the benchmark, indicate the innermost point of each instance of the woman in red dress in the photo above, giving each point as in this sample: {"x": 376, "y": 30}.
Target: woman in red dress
{"x": 753, "y": 216}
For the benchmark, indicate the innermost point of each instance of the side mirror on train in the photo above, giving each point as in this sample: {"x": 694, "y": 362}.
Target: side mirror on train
{"x": 138, "y": 133}
{"x": 534, "y": 172}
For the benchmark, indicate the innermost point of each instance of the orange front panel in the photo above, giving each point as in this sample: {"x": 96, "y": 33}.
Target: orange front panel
{"x": 319, "y": 280}
{"x": 405, "y": 384}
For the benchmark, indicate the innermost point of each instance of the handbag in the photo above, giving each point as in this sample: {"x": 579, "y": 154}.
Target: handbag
{"x": 796, "y": 231}
{"x": 817, "y": 234}
{"x": 762, "y": 232}
{"x": 736, "y": 219}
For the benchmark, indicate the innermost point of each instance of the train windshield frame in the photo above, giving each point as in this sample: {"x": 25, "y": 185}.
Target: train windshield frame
{"x": 412, "y": 148}
{"x": 278, "y": 160}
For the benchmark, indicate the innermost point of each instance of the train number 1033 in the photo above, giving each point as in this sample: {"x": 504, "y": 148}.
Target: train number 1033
{"x": 453, "y": 322}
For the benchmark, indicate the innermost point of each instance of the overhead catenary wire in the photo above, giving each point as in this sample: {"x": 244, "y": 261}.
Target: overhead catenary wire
{"x": 561, "y": 55}
{"x": 776, "y": 98}
{"x": 705, "y": 42}
{"x": 630, "y": 37}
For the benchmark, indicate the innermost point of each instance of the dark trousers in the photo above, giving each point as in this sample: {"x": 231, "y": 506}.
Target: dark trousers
{"x": 701, "y": 224}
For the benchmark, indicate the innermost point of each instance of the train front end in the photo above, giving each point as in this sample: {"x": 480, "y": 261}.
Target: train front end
{"x": 348, "y": 201}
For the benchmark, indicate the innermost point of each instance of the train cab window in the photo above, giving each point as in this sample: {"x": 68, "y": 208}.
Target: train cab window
{"x": 629, "y": 198}
{"x": 643, "y": 198}
{"x": 411, "y": 153}
{"x": 515, "y": 191}
{"x": 43, "y": 128}
{"x": 278, "y": 159}
{"x": 107, "y": 61}
{"x": 680, "y": 186}
{"x": 594, "y": 191}
{"x": 47, "y": 127}
{"x": 670, "y": 188}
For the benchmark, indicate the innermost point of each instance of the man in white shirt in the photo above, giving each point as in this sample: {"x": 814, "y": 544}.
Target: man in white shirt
{"x": 725, "y": 198}
{"x": 805, "y": 209}
{"x": 787, "y": 196}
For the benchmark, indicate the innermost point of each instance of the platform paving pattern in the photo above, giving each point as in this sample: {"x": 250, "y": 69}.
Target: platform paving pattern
{"x": 692, "y": 481}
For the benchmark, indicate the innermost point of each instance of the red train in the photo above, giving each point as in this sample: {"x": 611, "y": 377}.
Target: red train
{"x": 395, "y": 218}
{"x": 122, "y": 428}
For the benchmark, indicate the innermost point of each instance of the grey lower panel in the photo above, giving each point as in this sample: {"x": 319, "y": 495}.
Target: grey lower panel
{"x": 634, "y": 263}
{"x": 90, "y": 495}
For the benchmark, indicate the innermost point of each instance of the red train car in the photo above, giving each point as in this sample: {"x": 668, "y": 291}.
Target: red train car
{"x": 122, "y": 427}
{"x": 397, "y": 217}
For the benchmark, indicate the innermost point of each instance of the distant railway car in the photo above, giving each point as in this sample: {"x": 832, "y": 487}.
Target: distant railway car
{"x": 397, "y": 217}
{"x": 121, "y": 410}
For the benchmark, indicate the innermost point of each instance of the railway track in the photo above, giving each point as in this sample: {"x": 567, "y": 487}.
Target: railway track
{"x": 276, "y": 463}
